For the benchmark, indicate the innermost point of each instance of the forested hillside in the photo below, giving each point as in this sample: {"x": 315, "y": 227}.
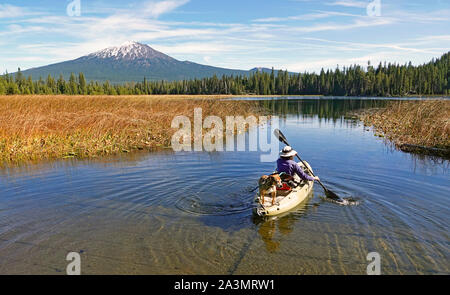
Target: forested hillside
{"x": 381, "y": 80}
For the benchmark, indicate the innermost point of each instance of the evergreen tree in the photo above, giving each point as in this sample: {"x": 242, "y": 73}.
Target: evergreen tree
{"x": 82, "y": 81}
{"x": 12, "y": 89}
{"x": 61, "y": 85}
{"x": 2, "y": 88}
{"x": 73, "y": 86}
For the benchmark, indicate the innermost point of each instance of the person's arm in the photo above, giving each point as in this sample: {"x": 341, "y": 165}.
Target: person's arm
{"x": 302, "y": 174}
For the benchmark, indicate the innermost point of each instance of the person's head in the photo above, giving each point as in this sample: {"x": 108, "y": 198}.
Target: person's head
{"x": 287, "y": 153}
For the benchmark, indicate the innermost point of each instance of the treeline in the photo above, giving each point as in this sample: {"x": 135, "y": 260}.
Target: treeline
{"x": 432, "y": 78}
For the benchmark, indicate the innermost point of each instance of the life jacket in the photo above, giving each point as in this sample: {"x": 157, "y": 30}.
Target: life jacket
{"x": 285, "y": 187}
{"x": 288, "y": 182}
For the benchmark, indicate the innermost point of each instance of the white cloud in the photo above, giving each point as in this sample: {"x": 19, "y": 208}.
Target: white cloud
{"x": 375, "y": 58}
{"x": 350, "y": 3}
{"x": 199, "y": 48}
{"x": 15, "y": 29}
{"x": 435, "y": 38}
{"x": 345, "y": 45}
{"x": 441, "y": 15}
{"x": 155, "y": 9}
{"x": 27, "y": 58}
{"x": 10, "y": 11}
{"x": 309, "y": 16}
{"x": 359, "y": 23}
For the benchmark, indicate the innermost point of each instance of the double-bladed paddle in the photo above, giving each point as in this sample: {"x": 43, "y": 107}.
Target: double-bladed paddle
{"x": 283, "y": 139}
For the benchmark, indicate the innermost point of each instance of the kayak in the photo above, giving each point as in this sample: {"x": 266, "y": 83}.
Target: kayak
{"x": 285, "y": 200}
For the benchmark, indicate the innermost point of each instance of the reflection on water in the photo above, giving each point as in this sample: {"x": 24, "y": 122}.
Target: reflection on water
{"x": 191, "y": 213}
{"x": 283, "y": 223}
{"x": 332, "y": 109}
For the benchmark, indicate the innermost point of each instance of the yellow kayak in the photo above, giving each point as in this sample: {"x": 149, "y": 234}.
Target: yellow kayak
{"x": 285, "y": 200}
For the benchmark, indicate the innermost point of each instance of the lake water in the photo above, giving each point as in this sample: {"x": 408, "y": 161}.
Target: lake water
{"x": 191, "y": 212}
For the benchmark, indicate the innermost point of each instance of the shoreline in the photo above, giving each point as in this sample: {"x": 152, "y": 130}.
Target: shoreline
{"x": 157, "y": 96}
{"x": 419, "y": 127}
{"x": 60, "y": 127}
{"x": 38, "y": 127}
{"x": 221, "y": 96}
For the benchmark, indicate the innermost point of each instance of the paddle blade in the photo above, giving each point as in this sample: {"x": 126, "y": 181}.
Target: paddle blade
{"x": 278, "y": 134}
{"x": 331, "y": 195}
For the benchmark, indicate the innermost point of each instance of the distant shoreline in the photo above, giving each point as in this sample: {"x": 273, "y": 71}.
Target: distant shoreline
{"x": 158, "y": 96}
{"x": 220, "y": 96}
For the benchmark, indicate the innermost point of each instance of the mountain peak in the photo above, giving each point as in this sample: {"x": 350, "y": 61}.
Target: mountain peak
{"x": 130, "y": 50}
{"x": 131, "y": 62}
{"x": 131, "y": 43}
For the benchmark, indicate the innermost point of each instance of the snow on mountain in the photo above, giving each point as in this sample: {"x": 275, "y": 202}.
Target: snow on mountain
{"x": 130, "y": 50}
{"x": 131, "y": 62}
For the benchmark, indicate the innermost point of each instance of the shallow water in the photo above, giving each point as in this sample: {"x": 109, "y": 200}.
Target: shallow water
{"x": 190, "y": 213}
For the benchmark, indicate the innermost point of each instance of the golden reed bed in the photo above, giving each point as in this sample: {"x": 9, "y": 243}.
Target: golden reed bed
{"x": 49, "y": 127}
{"x": 410, "y": 124}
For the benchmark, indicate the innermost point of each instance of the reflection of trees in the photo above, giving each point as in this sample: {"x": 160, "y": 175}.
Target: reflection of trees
{"x": 323, "y": 108}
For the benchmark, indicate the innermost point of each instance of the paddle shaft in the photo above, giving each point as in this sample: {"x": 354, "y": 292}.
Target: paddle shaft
{"x": 312, "y": 173}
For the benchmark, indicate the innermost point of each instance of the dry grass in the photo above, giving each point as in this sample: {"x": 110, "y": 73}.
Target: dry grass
{"x": 46, "y": 127}
{"x": 421, "y": 123}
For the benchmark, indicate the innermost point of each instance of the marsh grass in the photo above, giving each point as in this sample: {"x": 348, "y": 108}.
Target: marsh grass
{"x": 421, "y": 123}
{"x": 48, "y": 127}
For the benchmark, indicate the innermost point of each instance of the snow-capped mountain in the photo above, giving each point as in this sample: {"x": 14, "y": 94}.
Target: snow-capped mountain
{"x": 130, "y": 51}
{"x": 131, "y": 61}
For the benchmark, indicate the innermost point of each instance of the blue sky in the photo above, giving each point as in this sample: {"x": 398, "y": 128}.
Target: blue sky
{"x": 298, "y": 35}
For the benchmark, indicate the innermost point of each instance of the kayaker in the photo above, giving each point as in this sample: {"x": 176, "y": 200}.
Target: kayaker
{"x": 287, "y": 165}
